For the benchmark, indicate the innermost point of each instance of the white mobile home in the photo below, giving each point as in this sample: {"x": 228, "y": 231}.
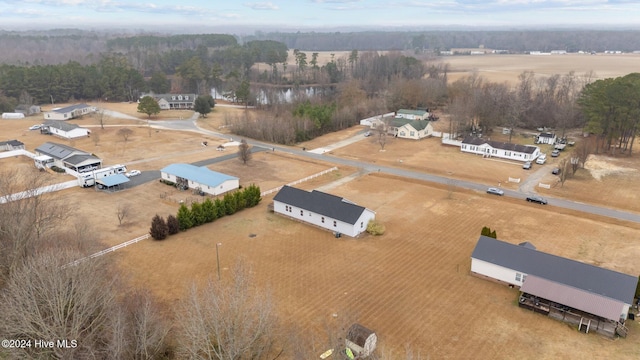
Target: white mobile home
{"x": 69, "y": 112}
{"x": 63, "y": 129}
{"x": 64, "y": 156}
{"x": 488, "y": 148}
{"x": 199, "y": 178}
{"x": 324, "y": 210}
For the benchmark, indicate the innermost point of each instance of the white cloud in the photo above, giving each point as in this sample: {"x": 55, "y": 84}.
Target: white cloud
{"x": 261, "y": 6}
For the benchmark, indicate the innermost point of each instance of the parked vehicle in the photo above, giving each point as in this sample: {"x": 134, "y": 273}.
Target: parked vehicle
{"x": 132, "y": 173}
{"x": 495, "y": 191}
{"x": 88, "y": 178}
{"x": 367, "y": 134}
{"x": 555, "y": 171}
{"x": 527, "y": 165}
{"x": 541, "y": 160}
{"x": 537, "y": 199}
{"x": 555, "y": 153}
{"x": 35, "y": 127}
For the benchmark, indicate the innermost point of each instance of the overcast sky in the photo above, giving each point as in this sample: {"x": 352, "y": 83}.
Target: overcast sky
{"x": 316, "y": 14}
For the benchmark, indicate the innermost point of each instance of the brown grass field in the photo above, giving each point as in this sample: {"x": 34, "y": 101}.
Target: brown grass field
{"x": 507, "y": 68}
{"x": 411, "y": 285}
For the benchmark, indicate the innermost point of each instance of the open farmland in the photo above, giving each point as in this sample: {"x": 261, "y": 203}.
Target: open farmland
{"x": 507, "y": 68}
{"x": 412, "y": 285}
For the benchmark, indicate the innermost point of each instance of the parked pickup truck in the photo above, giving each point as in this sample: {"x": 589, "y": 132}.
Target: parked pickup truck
{"x": 560, "y": 146}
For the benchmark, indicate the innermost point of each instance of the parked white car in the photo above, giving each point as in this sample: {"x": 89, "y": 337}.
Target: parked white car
{"x": 35, "y": 127}
{"x": 541, "y": 160}
{"x": 132, "y": 173}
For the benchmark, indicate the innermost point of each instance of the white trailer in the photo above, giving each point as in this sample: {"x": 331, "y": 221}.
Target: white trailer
{"x": 86, "y": 179}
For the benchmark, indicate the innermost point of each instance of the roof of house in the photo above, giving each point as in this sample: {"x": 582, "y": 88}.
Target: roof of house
{"x": 576, "y": 298}
{"x": 12, "y": 143}
{"x": 61, "y": 125}
{"x": 81, "y": 158}
{"x": 59, "y": 151}
{"x": 416, "y": 124}
{"x": 412, "y": 112}
{"x": 70, "y": 108}
{"x": 473, "y": 140}
{"x": 549, "y": 135}
{"x": 554, "y": 268}
{"x": 358, "y": 334}
{"x": 200, "y": 175}
{"x": 321, "y": 203}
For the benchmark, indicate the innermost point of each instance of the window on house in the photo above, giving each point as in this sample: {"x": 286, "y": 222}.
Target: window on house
{"x": 519, "y": 277}
{"x": 301, "y": 213}
{"x": 323, "y": 219}
{"x": 179, "y": 97}
{"x": 186, "y": 97}
{"x": 361, "y": 224}
{"x": 335, "y": 223}
{"x": 173, "y": 98}
{"x": 411, "y": 133}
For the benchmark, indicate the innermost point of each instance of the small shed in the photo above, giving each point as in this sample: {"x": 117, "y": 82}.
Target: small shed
{"x": 11, "y": 145}
{"x": 361, "y": 340}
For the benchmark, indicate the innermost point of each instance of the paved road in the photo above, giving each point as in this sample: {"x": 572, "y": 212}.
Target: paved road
{"x": 192, "y": 125}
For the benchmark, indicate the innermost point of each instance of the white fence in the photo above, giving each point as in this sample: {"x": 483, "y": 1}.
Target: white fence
{"x": 544, "y": 186}
{"x": 111, "y": 249}
{"x": 300, "y": 181}
{"x": 514, "y": 180}
{"x": 6, "y": 154}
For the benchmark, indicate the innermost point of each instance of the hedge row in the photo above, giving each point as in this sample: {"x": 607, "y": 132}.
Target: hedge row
{"x": 206, "y": 211}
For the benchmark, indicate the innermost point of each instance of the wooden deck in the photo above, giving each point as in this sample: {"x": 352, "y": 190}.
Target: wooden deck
{"x": 584, "y": 322}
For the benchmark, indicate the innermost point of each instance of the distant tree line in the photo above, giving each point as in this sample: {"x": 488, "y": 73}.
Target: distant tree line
{"x": 434, "y": 40}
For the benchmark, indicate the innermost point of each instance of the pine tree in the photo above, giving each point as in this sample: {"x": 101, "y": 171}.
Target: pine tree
{"x": 185, "y": 218}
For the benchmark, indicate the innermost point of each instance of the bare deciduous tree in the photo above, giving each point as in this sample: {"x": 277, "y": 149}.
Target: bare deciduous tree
{"x": 244, "y": 151}
{"x": 95, "y": 137}
{"x": 125, "y": 133}
{"x": 46, "y": 300}
{"x": 123, "y": 210}
{"x": 102, "y": 117}
{"x": 381, "y": 135}
{"x": 228, "y": 320}
{"x": 26, "y": 218}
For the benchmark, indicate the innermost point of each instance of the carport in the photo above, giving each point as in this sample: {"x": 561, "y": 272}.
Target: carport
{"x": 112, "y": 183}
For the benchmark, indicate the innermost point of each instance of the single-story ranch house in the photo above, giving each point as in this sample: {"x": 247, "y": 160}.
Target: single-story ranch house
{"x": 324, "y": 210}
{"x": 199, "y": 178}
{"x": 63, "y": 156}
{"x": 488, "y": 148}
{"x": 69, "y": 112}
{"x": 412, "y": 114}
{"x": 10, "y": 145}
{"x": 410, "y": 129}
{"x": 63, "y": 129}
{"x": 546, "y": 138}
{"x": 174, "y": 101}
{"x": 559, "y": 287}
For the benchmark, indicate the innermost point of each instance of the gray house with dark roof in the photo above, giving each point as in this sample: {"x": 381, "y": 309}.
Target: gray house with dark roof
{"x": 602, "y": 292}
{"x": 488, "y": 148}
{"x": 11, "y": 145}
{"x": 324, "y": 210}
{"x": 63, "y": 129}
{"x": 69, "y": 112}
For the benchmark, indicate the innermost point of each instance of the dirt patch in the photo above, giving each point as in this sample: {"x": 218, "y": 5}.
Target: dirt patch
{"x": 601, "y": 166}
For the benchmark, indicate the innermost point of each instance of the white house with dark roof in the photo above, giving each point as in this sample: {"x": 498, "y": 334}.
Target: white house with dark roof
{"x": 199, "y": 178}
{"x": 63, "y": 129}
{"x": 69, "y": 112}
{"x": 488, "y": 148}
{"x": 64, "y": 156}
{"x": 174, "y": 101}
{"x": 10, "y": 145}
{"x": 594, "y": 290}
{"x": 327, "y": 211}
{"x": 546, "y": 138}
